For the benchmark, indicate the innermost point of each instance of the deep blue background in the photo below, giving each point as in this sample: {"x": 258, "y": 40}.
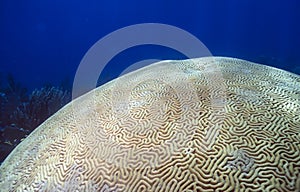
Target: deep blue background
{"x": 45, "y": 40}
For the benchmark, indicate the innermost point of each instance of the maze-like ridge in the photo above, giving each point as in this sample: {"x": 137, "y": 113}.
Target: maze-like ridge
{"x": 207, "y": 124}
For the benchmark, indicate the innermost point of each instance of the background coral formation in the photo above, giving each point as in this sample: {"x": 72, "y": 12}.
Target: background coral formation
{"x": 21, "y": 113}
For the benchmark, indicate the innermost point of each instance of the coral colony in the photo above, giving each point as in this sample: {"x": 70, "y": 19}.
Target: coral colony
{"x": 21, "y": 113}
{"x": 165, "y": 128}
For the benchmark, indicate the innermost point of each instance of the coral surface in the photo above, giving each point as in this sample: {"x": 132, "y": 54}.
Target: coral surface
{"x": 207, "y": 124}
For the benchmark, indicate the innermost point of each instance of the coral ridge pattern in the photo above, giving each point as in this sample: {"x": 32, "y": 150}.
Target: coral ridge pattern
{"x": 206, "y": 124}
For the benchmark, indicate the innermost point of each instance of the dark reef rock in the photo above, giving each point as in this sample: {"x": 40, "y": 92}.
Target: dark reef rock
{"x": 41, "y": 105}
{"x": 21, "y": 113}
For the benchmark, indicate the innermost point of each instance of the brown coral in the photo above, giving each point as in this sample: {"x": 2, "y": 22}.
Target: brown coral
{"x": 208, "y": 124}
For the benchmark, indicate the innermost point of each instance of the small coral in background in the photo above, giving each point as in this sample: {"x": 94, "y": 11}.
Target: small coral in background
{"x": 21, "y": 113}
{"x": 42, "y": 104}
{"x": 11, "y": 96}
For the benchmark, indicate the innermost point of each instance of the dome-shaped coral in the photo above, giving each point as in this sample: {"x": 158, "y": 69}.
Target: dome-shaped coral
{"x": 208, "y": 124}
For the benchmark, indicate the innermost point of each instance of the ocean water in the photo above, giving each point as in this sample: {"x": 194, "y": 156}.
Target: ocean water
{"x": 44, "y": 41}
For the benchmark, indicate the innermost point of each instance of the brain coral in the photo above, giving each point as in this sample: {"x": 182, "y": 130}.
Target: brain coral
{"x": 207, "y": 124}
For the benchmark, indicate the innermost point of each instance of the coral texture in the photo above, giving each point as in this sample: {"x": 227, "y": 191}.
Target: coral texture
{"x": 207, "y": 124}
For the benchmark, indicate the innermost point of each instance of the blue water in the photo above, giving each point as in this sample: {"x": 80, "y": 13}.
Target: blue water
{"x": 44, "y": 41}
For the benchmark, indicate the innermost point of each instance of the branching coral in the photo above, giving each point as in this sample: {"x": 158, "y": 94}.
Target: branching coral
{"x": 42, "y": 104}
{"x": 11, "y": 96}
{"x": 20, "y": 113}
